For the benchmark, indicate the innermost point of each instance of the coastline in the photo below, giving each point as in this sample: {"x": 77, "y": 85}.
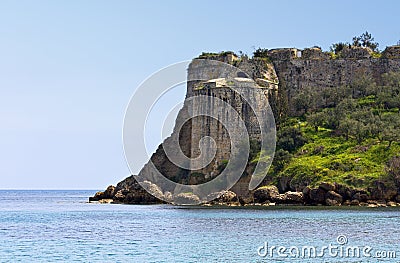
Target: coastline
{"x": 324, "y": 195}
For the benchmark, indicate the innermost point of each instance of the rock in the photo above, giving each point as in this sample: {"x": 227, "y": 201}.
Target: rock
{"x": 306, "y": 194}
{"x": 109, "y": 192}
{"x": 105, "y": 201}
{"x": 292, "y": 198}
{"x": 317, "y": 196}
{"x": 381, "y": 203}
{"x": 153, "y": 189}
{"x": 168, "y": 196}
{"x": 98, "y": 196}
{"x": 246, "y": 200}
{"x": 226, "y": 197}
{"x": 382, "y": 191}
{"x": 347, "y": 202}
{"x": 327, "y": 186}
{"x": 331, "y": 202}
{"x": 331, "y": 195}
{"x": 355, "y": 202}
{"x": 186, "y": 199}
{"x": 344, "y": 191}
{"x": 361, "y": 197}
{"x": 391, "y": 52}
{"x": 266, "y": 193}
{"x": 120, "y": 195}
{"x": 284, "y": 184}
{"x": 391, "y": 204}
{"x": 297, "y": 185}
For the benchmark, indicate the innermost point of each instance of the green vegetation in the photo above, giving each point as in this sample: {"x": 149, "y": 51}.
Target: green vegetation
{"x": 205, "y": 55}
{"x": 347, "y": 135}
{"x": 260, "y": 53}
{"x": 364, "y": 40}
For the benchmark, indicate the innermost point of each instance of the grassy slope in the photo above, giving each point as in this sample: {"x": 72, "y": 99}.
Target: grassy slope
{"x": 333, "y": 159}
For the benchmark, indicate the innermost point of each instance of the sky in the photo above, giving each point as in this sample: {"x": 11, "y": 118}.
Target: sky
{"x": 68, "y": 69}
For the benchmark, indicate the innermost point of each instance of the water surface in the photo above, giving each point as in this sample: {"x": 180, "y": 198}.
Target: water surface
{"x": 50, "y": 226}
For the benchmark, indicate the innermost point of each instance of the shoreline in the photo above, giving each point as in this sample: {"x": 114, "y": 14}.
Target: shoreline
{"x": 264, "y": 207}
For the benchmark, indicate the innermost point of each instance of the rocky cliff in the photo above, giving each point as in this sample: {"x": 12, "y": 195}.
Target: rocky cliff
{"x": 279, "y": 76}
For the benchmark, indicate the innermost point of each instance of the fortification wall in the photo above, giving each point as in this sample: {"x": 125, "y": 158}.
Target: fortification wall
{"x": 314, "y": 68}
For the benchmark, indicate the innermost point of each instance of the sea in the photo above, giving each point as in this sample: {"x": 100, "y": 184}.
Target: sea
{"x": 61, "y": 226}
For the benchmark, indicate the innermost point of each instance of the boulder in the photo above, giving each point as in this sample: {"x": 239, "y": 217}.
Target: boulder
{"x": 327, "y": 186}
{"x": 225, "y": 197}
{"x": 355, "y": 202}
{"x": 347, "y": 202}
{"x": 382, "y": 191}
{"x": 306, "y": 194}
{"x": 97, "y": 197}
{"x": 266, "y": 193}
{"x": 331, "y": 202}
{"x": 186, "y": 199}
{"x": 154, "y": 189}
{"x": 284, "y": 184}
{"x": 292, "y": 198}
{"x": 361, "y": 197}
{"x": 331, "y": 195}
{"x": 120, "y": 195}
{"x": 317, "y": 196}
{"x": 246, "y": 200}
{"x": 344, "y": 191}
{"x": 107, "y": 194}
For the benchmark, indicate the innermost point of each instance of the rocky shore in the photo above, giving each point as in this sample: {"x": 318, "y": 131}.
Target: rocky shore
{"x": 325, "y": 194}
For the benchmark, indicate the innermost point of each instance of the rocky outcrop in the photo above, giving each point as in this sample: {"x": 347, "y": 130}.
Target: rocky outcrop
{"x": 330, "y": 194}
{"x": 285, "y": 71}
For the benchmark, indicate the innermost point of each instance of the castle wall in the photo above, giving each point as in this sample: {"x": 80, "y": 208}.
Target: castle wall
{"x": 311, "y": 70}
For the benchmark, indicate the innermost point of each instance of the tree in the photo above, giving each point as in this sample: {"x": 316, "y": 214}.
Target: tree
{"x": 316, "y": 119}
{"x": 281, "y": 158}
{"x": 305, "y": 99}
{"x": 362, "y": 86}
{"x": 337, "y": 47}
{"x": 290, "y": 139}
{"x": 389, "y": 128}
{"x": 393, "y": 169}
{"x": 365, "y": 40}
{"x": 260, "y": 53}
{"x": 345, "y": 127}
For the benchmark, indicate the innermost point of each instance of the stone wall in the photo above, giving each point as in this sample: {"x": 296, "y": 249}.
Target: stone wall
{"x": 310, "y": 70}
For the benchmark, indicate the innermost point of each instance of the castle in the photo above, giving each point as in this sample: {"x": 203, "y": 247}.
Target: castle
{"x": 284, "y": 70}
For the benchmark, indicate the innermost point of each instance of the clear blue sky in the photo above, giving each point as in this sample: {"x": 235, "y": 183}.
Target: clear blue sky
{"x": 68, "y": 69}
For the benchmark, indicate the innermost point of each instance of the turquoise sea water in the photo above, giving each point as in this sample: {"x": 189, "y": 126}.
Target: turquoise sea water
{"x": 59, "y": 226}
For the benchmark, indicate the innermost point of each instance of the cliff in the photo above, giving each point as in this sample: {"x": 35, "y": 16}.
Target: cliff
{"x": 280, "y": 77}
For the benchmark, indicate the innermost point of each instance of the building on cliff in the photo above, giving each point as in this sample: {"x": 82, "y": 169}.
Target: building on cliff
{"x": 281, "y": 75}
